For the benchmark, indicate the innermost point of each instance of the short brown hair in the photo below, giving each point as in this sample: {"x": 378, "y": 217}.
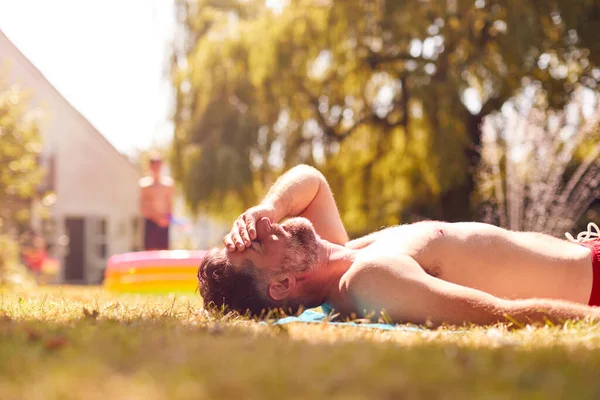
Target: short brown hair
{"x": 234, "y": 289}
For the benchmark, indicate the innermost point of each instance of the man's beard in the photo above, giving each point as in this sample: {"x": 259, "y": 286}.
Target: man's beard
{"x": 302, "y": 254}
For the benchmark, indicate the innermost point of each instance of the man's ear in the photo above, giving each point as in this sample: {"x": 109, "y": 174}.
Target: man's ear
{"x": 281, "y": 287}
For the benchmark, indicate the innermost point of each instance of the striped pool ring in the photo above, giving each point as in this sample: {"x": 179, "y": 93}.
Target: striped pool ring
{"x": 164, "y": 271}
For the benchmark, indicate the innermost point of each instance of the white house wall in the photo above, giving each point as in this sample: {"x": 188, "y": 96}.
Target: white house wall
{"x": 91, "y": 178}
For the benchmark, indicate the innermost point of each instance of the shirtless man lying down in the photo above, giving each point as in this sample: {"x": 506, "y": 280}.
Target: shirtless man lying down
{"x": 426, "y": 272}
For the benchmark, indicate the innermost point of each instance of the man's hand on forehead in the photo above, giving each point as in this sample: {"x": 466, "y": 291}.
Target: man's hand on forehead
{"x": 243, "y": 230}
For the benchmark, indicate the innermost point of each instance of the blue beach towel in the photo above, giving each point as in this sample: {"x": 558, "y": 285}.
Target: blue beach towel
{"x": 312, "y": 316}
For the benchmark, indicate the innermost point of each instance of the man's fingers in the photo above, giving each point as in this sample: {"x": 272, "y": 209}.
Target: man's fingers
{"x": 232, "y": 240}
{"x": 243, "y": 231}
{"x": 252, "y": 230}
{"x": 237, "y": 240}
{"x": 236, "y": 234}
{"x": 239, "y": 244}
{"x": 251, "y": 224}
{"x": 244, "y": 234}
{"x": 228, "y": 242}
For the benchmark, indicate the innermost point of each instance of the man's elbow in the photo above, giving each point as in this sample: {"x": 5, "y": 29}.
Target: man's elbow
{"x": 469, "y": 311}
{"x": 307, "y": 170}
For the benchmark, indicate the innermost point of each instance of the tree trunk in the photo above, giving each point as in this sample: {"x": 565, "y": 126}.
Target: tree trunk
{"x": 457, "y": 203}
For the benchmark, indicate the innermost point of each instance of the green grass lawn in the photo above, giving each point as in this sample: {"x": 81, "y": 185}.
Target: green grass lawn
{"x": 83, "y": 343}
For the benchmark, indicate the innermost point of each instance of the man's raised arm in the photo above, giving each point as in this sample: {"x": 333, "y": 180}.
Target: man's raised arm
{"x": 302, "y": 191}
{"x": 405, "y": 293}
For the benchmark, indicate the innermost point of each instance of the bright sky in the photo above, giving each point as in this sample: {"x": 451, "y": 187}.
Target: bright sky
{"x": 108, "y": 58}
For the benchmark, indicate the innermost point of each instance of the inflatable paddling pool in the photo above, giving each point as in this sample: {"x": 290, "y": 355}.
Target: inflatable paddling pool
{"x": 165, "y": 271}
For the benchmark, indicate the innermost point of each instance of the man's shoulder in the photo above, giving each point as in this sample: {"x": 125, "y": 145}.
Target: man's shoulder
{"x": 370, "y": 267}
{"x": 146, "y": 182}
{"x": 166, "y": 181}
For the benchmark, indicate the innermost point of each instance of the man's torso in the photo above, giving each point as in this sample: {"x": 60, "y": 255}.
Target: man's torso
{"x": 506, "y": 264}
{"x": 157, "y": 195}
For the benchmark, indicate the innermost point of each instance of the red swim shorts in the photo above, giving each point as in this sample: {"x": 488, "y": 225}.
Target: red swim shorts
{"x": 595, "y": 248}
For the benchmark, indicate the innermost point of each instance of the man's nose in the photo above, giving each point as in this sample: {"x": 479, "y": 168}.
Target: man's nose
{"x": 266, "y": 220}
{"x": 263, "y": 227}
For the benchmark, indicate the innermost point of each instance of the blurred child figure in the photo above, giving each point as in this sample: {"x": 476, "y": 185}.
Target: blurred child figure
{"x": 35, "y": 254}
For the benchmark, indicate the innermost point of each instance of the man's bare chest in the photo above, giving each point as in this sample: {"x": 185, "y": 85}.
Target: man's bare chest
{"x": 157, "y": 191}
{"x": 422, "y": 241}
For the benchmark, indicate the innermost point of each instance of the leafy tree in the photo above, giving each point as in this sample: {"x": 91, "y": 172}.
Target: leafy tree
{"x": 20, "y": 175}
{"x": 20, "y": 146}
{"x": 386, "y": 97}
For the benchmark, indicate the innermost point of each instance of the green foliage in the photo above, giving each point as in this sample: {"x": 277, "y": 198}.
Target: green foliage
{"x": 9, "y": 253}
{"x": 385, "y": 97}
{"x": 12, "y": 272}
{"x": 20, "y": 146}
{"x": 20, "y": 174}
